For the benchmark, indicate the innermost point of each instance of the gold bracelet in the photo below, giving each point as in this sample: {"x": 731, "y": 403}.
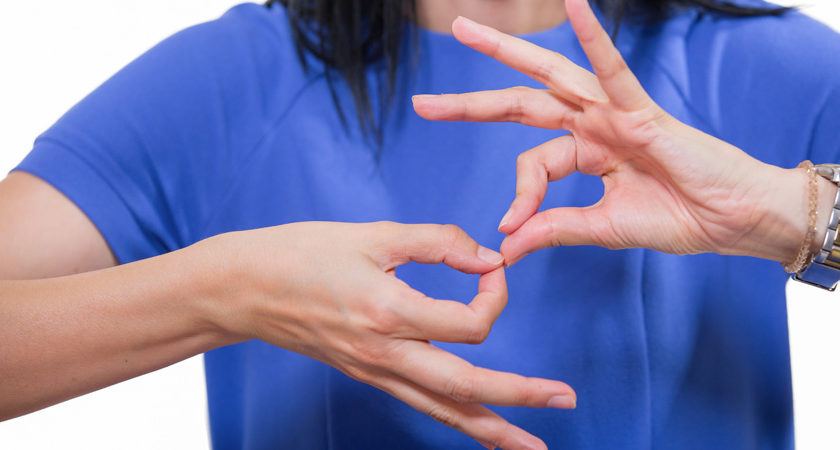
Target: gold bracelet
{"x": 805, "y": 255}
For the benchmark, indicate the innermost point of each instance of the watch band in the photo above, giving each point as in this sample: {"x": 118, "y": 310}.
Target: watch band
{"x": 824, "y": 269}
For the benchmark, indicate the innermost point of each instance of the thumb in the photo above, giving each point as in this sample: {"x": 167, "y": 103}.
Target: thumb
{"x": 556, "y": 227}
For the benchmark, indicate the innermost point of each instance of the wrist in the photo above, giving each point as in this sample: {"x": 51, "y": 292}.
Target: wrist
{"x": 782, "y": 223}
{"x": 218, "y": 296}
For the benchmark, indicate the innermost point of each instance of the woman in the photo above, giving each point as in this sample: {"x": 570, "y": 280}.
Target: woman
{"x": 221, "y": 128}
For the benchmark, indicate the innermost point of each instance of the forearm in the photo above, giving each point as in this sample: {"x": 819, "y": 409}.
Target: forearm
{"x": 63, "y": 337}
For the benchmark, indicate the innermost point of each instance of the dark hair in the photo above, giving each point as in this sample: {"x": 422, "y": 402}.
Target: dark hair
{"x": 351, "y": 36}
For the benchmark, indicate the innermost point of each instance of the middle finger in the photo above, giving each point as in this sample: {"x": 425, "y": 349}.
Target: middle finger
{"x": 564, "y": 77}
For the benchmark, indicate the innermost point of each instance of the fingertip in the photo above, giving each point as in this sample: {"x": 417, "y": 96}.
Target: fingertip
{"x": 562, "y": 401}
{"x": 421, "y": 98}
{"x": 505, "y": 219}
{"x": 421, "y": 104}
{"x": 510, "y": 224}
{"x": 576, "y": 7}
{"x": 523, "y": 207}
{"x": 513, "y": 260}
{"x": 490, "y": 256}
{"x": 436, "y": 107}
{"x": 462, "y": 23}
{"x": 493, "y": 280}
{"x": 581, "y": 15}
{"x": 510, "y": 252}
{"x": 533, "y": 442}
{"x": 466, "y": 30}
{"x": 522, "y": 439}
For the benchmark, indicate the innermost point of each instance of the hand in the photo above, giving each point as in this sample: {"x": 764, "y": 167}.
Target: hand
{"x": 667, "y": 186}
{"x": 328, "y": 291}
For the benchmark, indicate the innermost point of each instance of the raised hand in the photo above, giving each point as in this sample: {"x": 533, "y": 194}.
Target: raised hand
{"x": 327, "y": 290}
{"x": 667, "y": 186}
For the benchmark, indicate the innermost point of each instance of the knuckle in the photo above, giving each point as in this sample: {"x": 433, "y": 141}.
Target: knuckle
{"x": 527, "y": 159}
{"x": 443, "y": 414}
{"x": 551, "y": 69}
{"x": 450, "y": 234}
{"x": 369, "y": 355}
{"x": 382, "y": 319}
{"x": 616, "y": 66}
{"x": 546, "y": 70}
{"x": 604, "y": 233}
{"x": 503, "y": 436}
{"x": 462, "y": 389}
{"x": 382, "y": 232}
{"x": 519, "y": 90}
{"x": 516, "y": 104}
{"x": 356, "y": 372}
{"x": 386, "y": 226}
{"x": 548, "y": 224}
{"x": 478, "y": 333}
{"x": 522, "y": 160}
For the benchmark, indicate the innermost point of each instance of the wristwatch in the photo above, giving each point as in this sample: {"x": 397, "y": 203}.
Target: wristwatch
{"x": 824, "y": 269}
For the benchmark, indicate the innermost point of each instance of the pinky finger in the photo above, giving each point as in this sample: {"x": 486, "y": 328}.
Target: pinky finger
{"x": 476, "y": 421}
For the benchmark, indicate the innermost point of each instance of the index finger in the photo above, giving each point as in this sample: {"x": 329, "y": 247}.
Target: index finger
{"x": 564, "y": 77}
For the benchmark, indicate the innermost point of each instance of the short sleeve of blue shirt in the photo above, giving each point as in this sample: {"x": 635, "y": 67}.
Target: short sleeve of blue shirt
{"x": 148, "y": 155}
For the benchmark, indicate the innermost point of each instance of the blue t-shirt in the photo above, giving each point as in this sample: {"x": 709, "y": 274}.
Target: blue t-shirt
{"x": 219, "y": 128}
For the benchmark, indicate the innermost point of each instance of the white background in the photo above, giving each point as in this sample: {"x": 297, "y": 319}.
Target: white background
{"x": 53, "y": 52}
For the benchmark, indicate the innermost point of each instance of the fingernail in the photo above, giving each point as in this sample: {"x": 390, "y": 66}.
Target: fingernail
{"x": 562, "y": 402}
{"x": 505, "y": 219}
{"x": 466, "y": 20}
{"x": 513, "y": 261}
{"x": 490, "y": 256}
{"x": 466, "y": 23}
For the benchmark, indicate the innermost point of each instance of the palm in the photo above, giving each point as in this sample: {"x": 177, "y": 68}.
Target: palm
{"x": 653, "y": 195}
{"x": 640, "y": 207}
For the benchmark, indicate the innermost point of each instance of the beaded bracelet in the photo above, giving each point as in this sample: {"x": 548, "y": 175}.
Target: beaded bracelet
{"x": 803, "y": 258}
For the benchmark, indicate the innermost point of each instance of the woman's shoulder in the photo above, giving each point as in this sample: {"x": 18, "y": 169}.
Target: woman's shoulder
{"x": 236, "y": 73}
{"x": 741, "y": 77}
{"x": 768, "y": 46}
{"x": 792, "y": 42}
{"x": 253, "y": 39}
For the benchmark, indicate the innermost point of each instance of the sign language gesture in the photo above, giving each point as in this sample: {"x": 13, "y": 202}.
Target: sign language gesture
{"x": 667, "y": 186}
{"x": 333, "y": 295}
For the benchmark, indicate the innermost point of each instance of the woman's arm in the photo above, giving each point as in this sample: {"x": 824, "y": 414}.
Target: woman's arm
{"x": 667, "y": 186}
{"x": 325, "y": 290}
{"x": 43, "y": 234}
{"x": 66, "y": 336}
